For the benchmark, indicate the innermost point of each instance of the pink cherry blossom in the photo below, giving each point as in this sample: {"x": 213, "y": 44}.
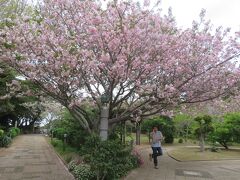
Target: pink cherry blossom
{"x": 136, "y": 55}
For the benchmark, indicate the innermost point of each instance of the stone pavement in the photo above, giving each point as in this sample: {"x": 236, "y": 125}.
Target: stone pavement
{"x": 31, "y": 157}
{"x": 170, "y": 169}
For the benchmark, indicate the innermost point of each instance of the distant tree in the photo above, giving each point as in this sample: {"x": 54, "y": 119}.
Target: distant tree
{"x": 164, "y": 124}
{"x": 204, "y": 128}
{"x": 222, "y": 134}
{"x": 183, "y": 124}
{"x": 66, "y": 124}
{"x": 19, "y": 103}
{"x": 233, "y": 121}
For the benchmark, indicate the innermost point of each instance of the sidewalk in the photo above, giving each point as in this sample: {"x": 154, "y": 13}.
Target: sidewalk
{"x": 31, "y": 157}
{"x": 170, "y": 169}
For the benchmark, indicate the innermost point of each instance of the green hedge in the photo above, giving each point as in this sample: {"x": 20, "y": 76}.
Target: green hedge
{"x": 1, "y": 133}
{"x": 13, "y": 132}
{"x": 5, "y": 141}
{"x": 6, "y": 138}
{"x": 108, "y": 159}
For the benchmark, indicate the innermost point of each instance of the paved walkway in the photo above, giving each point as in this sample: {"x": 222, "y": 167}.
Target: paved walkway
{"x": 170, "y": 169}
{"x": 31, "y": 157}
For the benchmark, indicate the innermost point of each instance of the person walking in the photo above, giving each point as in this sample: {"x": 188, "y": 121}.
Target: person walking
{"x": 156, "y": 137}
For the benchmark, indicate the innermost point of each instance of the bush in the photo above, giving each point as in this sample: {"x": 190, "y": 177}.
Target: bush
{"x": 136, "y": 158}
{"x": 180, "y": 140}
{"x": 214, "y": 149}
{"x": 72, "y": 165}
{"x": 56, "y": 142}
{"x": 169, "y": 139}
{"x": 59, "y": 133}
{"x": 5, "y": 141}
{"x": 108, "y": 159}
{"x": 164, "y": 124}
{"x": 83, "y": 172}
{"x": 68, "y": 158}
{"x": 1, "y": 133}
{"x": 13, "y": 132}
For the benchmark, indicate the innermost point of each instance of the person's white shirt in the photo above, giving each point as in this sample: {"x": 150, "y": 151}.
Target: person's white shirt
{"x": 156, "y": 138}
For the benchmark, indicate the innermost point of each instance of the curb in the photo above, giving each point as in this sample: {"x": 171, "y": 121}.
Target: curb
{"x": 59, "y": 157}
{"x": 169, "y": 155}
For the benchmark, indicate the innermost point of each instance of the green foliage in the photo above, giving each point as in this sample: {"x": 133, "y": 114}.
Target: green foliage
{"x": 83, "y": 172}
{"x": 1, "y": 133}
{"x": 56, "y": 142}
{"x": 214, "y": 148}
{"x": 184, "y": 125}
{"x": 5, "y": 141}
{"x": 13, "y": 132}
{"x": 12, "y": 107}
{"x": 67, "y": 124}
{"x": 180, "y": 140}
{"x": 232, "y": 120}
{"x": 59, "y": 133}
{"x": 164, "y": 124}
{"x": 222, "y": 134}
{"x": 108, "y": 159}
{"x": 72, "y": 165}
{"x": 204, "y": 125}
{"x": 58, "y": 146}
{"x": 227, "y": 131}
{"x": 68, "y": 158}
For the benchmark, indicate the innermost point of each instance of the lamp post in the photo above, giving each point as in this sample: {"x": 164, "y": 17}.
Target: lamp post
{"x": 64, "y": 141}
{"x": 51, "y": 133}
{"x": 104, "y": 117}
{"x": 137, "y": 119}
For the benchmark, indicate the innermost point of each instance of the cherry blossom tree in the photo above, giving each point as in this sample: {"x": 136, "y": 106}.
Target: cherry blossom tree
{"x": 77, "y": 51}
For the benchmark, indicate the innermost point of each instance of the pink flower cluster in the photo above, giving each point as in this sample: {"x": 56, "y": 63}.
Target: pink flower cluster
{"x": 135, "y": 152}
{"x": 136, "y": 55}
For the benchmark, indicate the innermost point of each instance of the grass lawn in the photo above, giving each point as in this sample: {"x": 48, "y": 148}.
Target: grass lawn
{"x": 143, "y": 138}
{"x": 194, "y": 154}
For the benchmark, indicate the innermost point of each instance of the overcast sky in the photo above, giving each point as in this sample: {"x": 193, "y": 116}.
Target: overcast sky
{"x": 224, "y": 13}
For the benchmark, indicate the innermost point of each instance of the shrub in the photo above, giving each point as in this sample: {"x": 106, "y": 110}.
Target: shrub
{"x": 13, "y": 132}
{"x": 83, "y": 172}
{"x": 180, "y": 140}
{"x": 214, "y": 149}
{"x": 108, "y": 159}
{"x": 5, "y": 141}
{"x": 169, "y": 139}
{"x": 72, "y": 165}
{"x": 59, "y": 133}
{"x": 136, "y": 158}
{"x": 1, "y": 133}
{"x": 164, "y": 124}
{"x": 68, "y": 158}
{"x": 56, "y": 142}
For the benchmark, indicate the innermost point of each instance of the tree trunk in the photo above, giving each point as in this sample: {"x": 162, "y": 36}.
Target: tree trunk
{"x": 186, "y": 137}
{"x": 16, "y": 123}
{"x": 138, "y": 133}
{"x": 124, "y": 132}
{"x": 149, "y": 137}
{"x": 78, "y": 116}
{"x": 104, "y": 123}
{"x": 224, "y": 145}
{"x": 201, "y": 143}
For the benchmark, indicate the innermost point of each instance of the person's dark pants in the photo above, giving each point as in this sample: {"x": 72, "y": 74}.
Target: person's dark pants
{"x": 157, "y": 151}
